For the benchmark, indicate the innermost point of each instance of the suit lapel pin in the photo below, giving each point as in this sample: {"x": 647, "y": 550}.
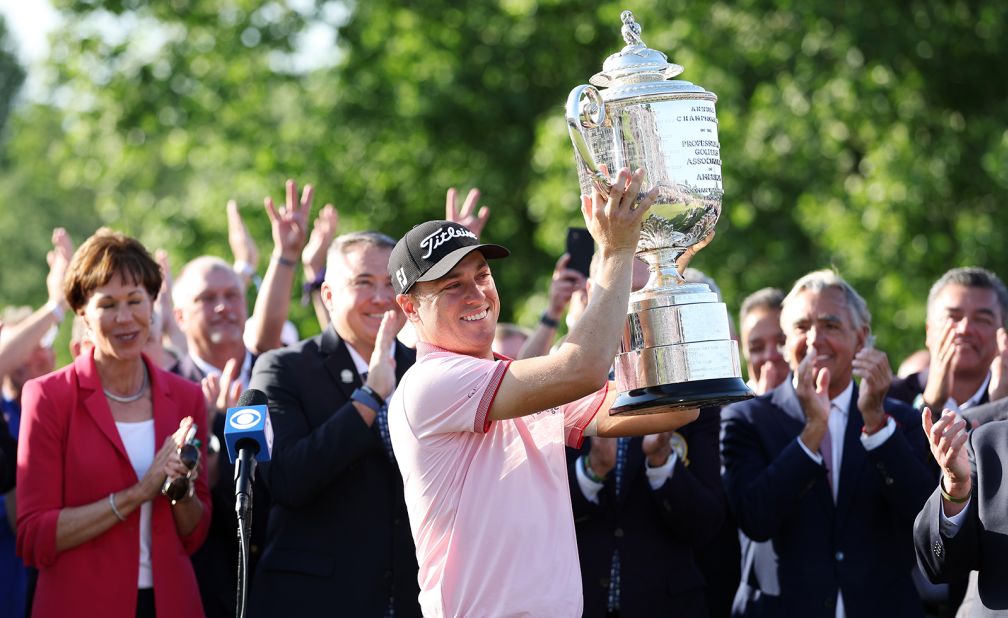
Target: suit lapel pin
{"x": 347, "y": 376}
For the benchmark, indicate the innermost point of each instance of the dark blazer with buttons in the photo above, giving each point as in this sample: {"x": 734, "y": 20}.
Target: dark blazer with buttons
{"x": 338, "y": 539}
{"x": 801, "y": 546}
{"x": 655, "y": 531}
{"x": 981, "y": 544}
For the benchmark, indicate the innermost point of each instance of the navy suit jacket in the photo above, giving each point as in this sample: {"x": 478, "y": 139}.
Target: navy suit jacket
{"x": 655, "y": 530}
{"x": 338, "y": 539}
{"x": 981, "y": 544}
{"x": 801, "y": 546}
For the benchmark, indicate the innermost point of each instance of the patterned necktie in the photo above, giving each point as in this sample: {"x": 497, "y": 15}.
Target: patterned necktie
{"x": 381, "y": 419}
{"x": 621, "y": 449}
{"x": 614, "y": 569}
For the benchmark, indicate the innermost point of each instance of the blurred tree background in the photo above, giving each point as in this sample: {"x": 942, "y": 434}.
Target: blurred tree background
{"x": 863, "y": 135}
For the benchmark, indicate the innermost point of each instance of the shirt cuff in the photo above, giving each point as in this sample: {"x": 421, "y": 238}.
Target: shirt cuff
{"x": 876, "y": 439}
{"x": 816, "y": 457}
{"x": 657, "y": 476}
{"x": 949, "y": 526}
{"x": 589, "y": 488}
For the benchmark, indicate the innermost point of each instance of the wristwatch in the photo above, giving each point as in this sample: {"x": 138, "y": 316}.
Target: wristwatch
{"x": 367, "y": 396}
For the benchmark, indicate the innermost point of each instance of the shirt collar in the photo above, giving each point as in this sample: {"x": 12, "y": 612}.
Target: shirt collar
{"x": 843, "y": 401}
{"x": 423, "y": 349}
{"x": 952, "y": 404}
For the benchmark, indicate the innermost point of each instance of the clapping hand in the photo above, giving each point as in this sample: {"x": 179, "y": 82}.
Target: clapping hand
{"x": 940, "y": 374}
{"x": 657, "y": 447}
{"x": 813, "y": 395}
{"x": 872, "y": 366}
{"x": 998, "y": 387}
{"x": 381, "y": 369}
{"x": 947, "y": 439}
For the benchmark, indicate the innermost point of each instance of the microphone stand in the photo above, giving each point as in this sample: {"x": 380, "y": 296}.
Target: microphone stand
{"x": 245, "y": 467}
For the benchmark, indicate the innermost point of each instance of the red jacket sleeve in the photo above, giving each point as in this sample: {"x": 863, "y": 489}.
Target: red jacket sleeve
{"x": 40, "y": 472}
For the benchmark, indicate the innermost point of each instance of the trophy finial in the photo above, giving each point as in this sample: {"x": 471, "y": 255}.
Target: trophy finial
{"x": 631, "y": 29}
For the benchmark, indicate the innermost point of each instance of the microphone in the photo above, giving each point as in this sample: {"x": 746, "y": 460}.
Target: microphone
{"x": 248, "y": 435}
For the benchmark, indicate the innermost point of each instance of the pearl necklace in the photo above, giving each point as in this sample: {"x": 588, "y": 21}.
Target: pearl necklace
{"x": 128, "y": 398}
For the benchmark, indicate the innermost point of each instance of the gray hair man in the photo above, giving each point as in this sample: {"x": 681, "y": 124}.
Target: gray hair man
{"x": 824, "y": 474}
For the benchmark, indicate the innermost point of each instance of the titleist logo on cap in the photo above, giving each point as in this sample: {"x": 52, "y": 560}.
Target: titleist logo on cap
{"x": 441, "y": 236}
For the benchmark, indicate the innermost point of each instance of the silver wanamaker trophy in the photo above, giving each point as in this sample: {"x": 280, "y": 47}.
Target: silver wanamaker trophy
{"x": 676, "y": 350}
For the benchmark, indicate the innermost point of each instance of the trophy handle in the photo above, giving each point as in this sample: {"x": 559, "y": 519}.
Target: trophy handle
{"x": 587, "y": 116}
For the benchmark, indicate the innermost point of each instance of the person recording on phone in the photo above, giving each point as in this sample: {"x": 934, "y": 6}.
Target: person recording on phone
{"x": 825, "y": 475}
{"x": 98, "y": 440}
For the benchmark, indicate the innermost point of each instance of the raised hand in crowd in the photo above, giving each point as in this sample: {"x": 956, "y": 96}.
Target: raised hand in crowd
{"x": 243, "y": 246}
{"x": 169, "y": 327}
{"x": 468, "y": 216}
{"x": 872, "y": 366}
{"x": 21, "y": 339}
{"x": 998, "y": 387}
{"x": 563, "y": 285}
{"x": 313, "y": 259}
{"x": 289, "y": 228}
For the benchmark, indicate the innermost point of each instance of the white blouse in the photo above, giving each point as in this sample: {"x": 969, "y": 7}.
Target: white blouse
{"x": 138, "y": 438}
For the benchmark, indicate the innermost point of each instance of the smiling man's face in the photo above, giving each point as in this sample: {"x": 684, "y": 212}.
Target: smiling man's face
{"x": 359, "y": 294}
{"x": 823, "y": 320}
{"x": 459, "y": 311}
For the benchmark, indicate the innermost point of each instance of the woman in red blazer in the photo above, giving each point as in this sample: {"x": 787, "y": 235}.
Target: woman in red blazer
{"x": 98, "y": 440}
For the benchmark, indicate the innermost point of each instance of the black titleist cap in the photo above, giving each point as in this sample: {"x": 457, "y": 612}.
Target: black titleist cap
{"x": 430, "y": 250}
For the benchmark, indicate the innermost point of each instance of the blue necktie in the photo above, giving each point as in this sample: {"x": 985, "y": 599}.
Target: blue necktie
{"x": 614, "y": 569}
{"x": 381, "y": 419}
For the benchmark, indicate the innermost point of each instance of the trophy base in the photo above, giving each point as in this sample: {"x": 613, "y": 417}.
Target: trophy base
{"x": 683, "y": 395}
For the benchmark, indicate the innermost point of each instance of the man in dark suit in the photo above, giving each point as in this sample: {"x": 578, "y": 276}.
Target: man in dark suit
{"x": 338, "y": 537}
{"x": 824, "y": 475}
{"x": 963, "y": 526}
{"x": 966, "y": 313}
{"x": 641, "y": 507}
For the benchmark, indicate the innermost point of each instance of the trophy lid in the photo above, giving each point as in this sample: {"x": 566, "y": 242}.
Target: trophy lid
{"x": 638, "y": 65}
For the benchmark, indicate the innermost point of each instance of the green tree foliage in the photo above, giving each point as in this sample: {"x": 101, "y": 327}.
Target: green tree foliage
{"x": 868, "y": 136}
{"x": 12, "y": 75}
